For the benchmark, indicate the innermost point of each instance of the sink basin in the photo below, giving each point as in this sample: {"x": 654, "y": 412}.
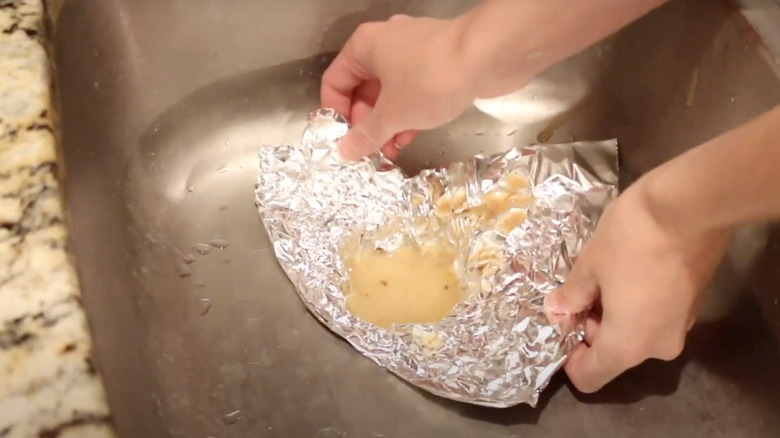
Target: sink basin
{"x": 163, "y": 106}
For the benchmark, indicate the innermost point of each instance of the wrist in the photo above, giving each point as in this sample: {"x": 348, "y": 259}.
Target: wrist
{"x": 672, "y": 203}
{"x": 482, "y": 53}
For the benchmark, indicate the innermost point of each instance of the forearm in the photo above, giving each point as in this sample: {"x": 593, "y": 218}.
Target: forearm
{"x": 730, "y": 180}
{"x": 509, "y": 41}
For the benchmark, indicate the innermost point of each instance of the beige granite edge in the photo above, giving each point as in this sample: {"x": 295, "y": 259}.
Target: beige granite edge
{"x": 48, "y": 386}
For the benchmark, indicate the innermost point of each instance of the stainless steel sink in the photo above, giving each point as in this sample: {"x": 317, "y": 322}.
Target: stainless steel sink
{"x": 163, "y": 106}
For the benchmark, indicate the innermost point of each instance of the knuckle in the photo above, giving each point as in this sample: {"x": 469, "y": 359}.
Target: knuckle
{"x": 363, "y": 31}
{"x": 399, "y": 17}
{"x": 582, "y": 385}
{"x": 671, "y": 349}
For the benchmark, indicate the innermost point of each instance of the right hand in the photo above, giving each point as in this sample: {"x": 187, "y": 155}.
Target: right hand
{"x": 646, "y": 277}
{"x": 395, "y": 77}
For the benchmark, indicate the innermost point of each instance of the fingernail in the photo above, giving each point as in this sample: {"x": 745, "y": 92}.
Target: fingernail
{"x": 553, "y": 305}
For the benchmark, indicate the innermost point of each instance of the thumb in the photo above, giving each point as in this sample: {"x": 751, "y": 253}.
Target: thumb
{"x": 367, "y": 136}
{"x": 578, "y": 292}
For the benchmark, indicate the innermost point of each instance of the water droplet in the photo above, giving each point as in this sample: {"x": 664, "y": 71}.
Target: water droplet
{"x": 219, "y": 243}
{"x": 232, "y": 418}
{"x": 535, "y": 97}
{"x": 227, "y": 142}
{"x": 449, "y": 133}
{"x": 205, "y": 306}
{"x": 427, "y": 164}
{"x": 732, "y": 99}
{"x": 189, "y": 258}
{"x": 479, "y": 132}
{"x": 144, "y": 270}
{"x": 440, "y": 153}
{"x": 190, "y": 189}
{"x": 222, "y": 169}
{"x": 511, "y": 133}
{"x": 200, "y": 283}
{"x": 183, "y": 269}
{"x": 96, "y": 84}
{"x": 202, "y": 248}
{"x": 156, "y": 91}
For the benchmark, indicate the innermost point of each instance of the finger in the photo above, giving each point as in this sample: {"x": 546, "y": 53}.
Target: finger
{"x": 406, "y": 138}
{"x": 391, "y": 151}
{"x": 347, "y": 71}
{"x": 368, "y": 135}
{"x": 577, "y": 294}
{"x": 360, "y": 109}
{"x": 592, "y": 327}
{"x": 589, "y": 369}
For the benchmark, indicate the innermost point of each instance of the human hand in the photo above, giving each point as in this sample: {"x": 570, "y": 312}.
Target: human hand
{"x": 640, "y": 281}
{"x": 395, "y": 77}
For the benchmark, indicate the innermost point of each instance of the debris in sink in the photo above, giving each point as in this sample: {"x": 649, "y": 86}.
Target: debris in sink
{"x": 190, "y": 189}
{"x": 218, "y": 243}
{"x": 202, "y": 248}
{"x": 691, "y": 94}
{"x": 546, "y": 134}
{"x": 205, "y": 306}
{"x": 232, "y": 418}
{"x": 515, "y": 220}
{"x": 183, "y": 269}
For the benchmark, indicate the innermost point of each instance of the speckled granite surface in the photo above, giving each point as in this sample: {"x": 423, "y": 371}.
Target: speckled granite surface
{"x": 48, "y": 387}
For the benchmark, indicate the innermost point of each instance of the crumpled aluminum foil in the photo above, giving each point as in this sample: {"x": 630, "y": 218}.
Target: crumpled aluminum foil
{"x": 497, "y": 348}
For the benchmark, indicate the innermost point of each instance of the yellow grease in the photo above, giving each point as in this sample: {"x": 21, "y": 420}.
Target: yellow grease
{"x": 406, "y": 286}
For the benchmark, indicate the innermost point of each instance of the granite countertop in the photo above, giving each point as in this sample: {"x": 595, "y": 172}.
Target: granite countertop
{"x": 48, "y": 386}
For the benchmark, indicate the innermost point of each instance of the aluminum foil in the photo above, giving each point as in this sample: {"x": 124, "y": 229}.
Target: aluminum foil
{"x": 497, "y": 348}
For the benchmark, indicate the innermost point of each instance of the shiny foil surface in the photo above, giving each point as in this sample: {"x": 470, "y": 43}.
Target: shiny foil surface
{"x": 496, "y": 348}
